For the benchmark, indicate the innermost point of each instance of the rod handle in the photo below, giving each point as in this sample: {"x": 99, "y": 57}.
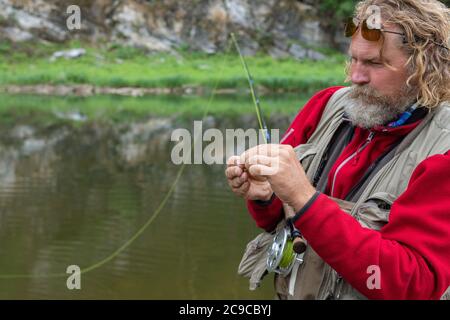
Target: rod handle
{"x": 299, "y": 243}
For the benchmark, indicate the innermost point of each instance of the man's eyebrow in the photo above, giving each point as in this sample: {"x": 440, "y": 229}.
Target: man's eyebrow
{"x": 368, "y": 59}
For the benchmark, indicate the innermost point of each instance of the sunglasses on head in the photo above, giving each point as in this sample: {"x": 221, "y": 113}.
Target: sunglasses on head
{"x": 372, "y": 34}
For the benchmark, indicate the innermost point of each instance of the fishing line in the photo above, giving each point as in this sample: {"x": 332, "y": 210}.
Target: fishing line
{"x": 145, "y": 226}
{"x": 288, "y": 254}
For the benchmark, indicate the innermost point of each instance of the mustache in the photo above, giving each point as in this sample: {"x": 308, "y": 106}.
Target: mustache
{"x": 369, "y": 95}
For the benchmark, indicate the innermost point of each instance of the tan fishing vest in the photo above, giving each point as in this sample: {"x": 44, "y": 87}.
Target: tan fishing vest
{"x": 314, "y": 278}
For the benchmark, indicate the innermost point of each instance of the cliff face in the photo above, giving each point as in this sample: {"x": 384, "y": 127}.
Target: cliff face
{"x": 278, "y": 27}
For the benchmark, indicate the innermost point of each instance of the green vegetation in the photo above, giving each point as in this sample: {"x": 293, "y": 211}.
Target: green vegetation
{"x": 49, "y": 110}
{"x": 339, "y": 10}
{"x": 116, "y": 66}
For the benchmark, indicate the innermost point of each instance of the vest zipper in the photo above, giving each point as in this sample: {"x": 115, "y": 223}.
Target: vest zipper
{"x": 286, "y": 135}
{"x": 368, "y": 140}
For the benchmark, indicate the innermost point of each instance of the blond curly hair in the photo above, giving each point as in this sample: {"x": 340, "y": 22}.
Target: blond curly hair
{"x": 426, "y": 24}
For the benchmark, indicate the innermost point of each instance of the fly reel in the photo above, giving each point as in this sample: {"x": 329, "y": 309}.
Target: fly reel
{"x": 281, "y": 256}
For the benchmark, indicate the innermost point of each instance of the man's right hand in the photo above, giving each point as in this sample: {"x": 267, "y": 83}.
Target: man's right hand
{"x": 245, "y": 185}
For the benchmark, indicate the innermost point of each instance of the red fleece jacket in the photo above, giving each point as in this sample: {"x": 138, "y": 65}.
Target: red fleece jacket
{"x": 412, "y": 250}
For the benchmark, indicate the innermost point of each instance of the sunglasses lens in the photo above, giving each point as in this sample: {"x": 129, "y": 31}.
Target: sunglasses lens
{"x": 370, "y": 34}
{"x": 350, "y": 28}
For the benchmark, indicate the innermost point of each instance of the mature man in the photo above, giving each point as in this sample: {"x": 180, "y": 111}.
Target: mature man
{"x": 382, "y": 145}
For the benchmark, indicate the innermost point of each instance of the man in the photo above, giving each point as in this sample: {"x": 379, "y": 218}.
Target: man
{"x": 381, "y": 145}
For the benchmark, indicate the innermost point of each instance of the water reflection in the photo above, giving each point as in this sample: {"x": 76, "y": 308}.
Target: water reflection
{"x": 73, "y": 195}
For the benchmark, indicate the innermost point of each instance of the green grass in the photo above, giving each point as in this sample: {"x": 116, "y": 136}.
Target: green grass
{"x": 117, "y": 66}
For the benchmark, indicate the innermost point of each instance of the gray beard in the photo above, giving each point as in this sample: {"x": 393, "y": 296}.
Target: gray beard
{"x": 367, "y": 109}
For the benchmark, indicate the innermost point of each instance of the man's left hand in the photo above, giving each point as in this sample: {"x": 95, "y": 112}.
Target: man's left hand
{"x": 280, "y": 165}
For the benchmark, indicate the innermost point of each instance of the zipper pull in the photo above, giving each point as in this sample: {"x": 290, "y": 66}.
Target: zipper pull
{"x": 287, "y": 136}
{"x": 368, "y": 140}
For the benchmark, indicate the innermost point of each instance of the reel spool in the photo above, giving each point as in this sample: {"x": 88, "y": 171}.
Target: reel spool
{"x": 281, "y": 256}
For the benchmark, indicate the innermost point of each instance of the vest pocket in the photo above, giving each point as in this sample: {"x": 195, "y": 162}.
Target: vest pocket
{"x": 254, "y": 260}
{"x": 374, "y": 212}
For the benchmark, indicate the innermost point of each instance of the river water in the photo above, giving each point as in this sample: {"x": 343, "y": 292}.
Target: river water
{"x": 77, "y": 195}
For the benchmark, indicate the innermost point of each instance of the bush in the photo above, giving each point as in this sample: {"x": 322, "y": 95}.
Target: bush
{"x": 339, "y": 10}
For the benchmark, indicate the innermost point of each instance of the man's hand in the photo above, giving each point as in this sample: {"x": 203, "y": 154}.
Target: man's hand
{"x": 245, "y": 185}
{"x": 280, "y": 166}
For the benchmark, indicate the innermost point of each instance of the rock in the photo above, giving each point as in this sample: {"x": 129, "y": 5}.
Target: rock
{"x": 168, "y": 25}
{"x": 298, "y": 52}
{"x": 22, "y": 132}
{"x": 314, "y": 55}
{"x": 248, "y": 46}
{"x": 73, "y": 116}
{"x": 311, "y": 32}
{"x": 68, "y": 54}
{"x": 202, "y": 42}
{"x": 17, "y": 35}
{"x": 276, "y": 53}
{"x": 238, "y": 12}
{"x": 218, "y": 14}
{"x": 33, "y": 145}
{"x": 130, "y": 27}
{"x": 281, "y": 44}
{"x": 32, "y": 17}
{"x": 301, "y": 53}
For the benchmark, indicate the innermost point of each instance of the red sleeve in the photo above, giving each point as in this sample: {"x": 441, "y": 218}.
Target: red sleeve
{"x": 412, "y": 251}
{"x": 303, "y": 126}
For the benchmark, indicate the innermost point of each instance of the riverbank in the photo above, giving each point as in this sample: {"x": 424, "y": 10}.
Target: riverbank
{"x": 104, "y": 69}
{"x": 121, "y": 84}
{"x": 44, "y": 111}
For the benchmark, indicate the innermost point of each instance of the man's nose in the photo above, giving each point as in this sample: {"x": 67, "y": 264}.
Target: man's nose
{"x": 359, "y": 75}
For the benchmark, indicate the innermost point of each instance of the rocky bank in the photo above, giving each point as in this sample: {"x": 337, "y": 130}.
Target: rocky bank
{"x": 278, "y": 27}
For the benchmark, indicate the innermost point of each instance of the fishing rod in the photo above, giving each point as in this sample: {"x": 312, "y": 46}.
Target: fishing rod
{"x": 262, "y": 123}
{"x": 288, "y": 246}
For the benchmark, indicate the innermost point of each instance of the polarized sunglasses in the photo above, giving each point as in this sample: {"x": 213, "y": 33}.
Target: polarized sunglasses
{"x": 374, "y": 34}
{"x": 370, "y": 34}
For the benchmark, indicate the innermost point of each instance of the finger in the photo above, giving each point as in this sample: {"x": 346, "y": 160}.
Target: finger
{"x": 262, "y": 170}
{"x": 234, "y": 161}
{"x": 251, "y": 152}
{"x": 272, "y": 162}
{"x": 233, "y": 172}
{"x": 271, "y": 150}
{"x": 262, "y": 159}
{"x": 237, "y": 182}
{"x": 242, "y": 190}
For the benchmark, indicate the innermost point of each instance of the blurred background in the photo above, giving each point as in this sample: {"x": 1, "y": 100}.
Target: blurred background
{"x": 88, "y": 102}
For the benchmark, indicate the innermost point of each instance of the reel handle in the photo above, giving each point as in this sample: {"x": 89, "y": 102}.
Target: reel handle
{"x": 299, "y": 243}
